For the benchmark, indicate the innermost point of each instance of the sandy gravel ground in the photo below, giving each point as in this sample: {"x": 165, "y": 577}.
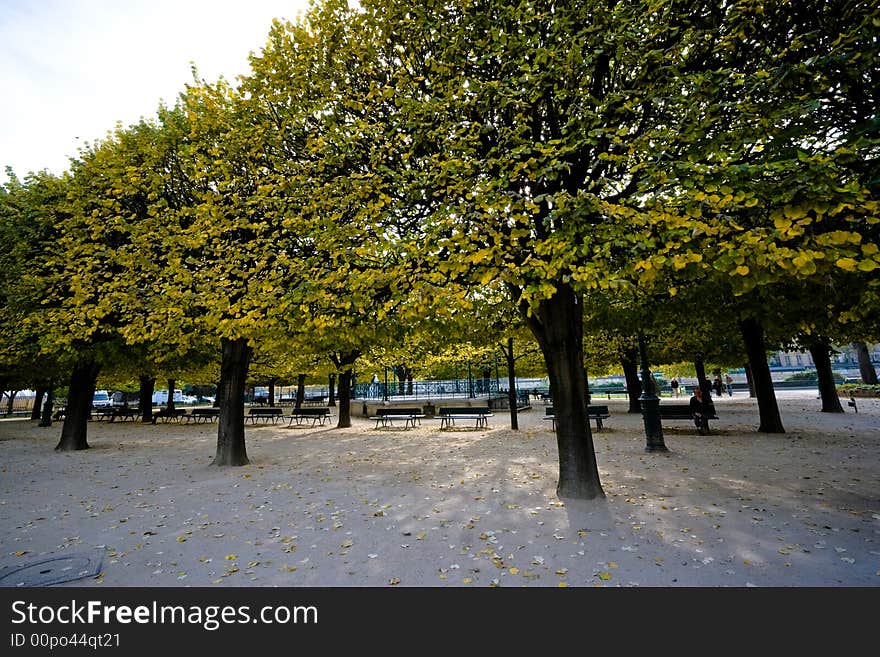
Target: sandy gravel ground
{"x": 360, "y": 507}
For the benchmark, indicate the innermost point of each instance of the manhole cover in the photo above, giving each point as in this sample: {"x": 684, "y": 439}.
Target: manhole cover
{"x": 53, "y": 570}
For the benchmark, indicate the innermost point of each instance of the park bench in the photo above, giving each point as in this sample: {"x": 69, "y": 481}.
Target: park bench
{"x": 449, "y": 414}
{"x": 387, "y": 416}
{"x": 597, "y": 413}
{"x": 169, "y": 416}
{"x": 110, "y": 414}
{"x": 682, "y": 412}
{"x": 102, "y": 414}
{"x": 316, "y": 415}
{"x": 265, "y": 415}
{"x": 314, "y": 400}
{"x": 198, "y": 415}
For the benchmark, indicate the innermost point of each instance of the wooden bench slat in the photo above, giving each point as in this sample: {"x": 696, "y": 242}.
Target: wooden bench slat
{"x": 387, "y": 416}
{"x": 597, "y": 413}
{"x": 449, "y": 414}
{"x": 316, "y": 415}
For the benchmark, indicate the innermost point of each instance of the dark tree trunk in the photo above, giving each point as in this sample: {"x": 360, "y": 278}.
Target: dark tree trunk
{"x": 39, "y": 393}
{"x": 511, "y": 384}
{"x": 344, "y": 399}
{"x": 146, "y": 386}
{"x": 409, "y": 382}
{"x": 704, "y": 383}
{"x": 557, "y": 325}
{"x": 866, "y": 368}
{"x": 629, "y": 362}
{"x": 300, "y": 390}
{"x": 750, "y": 381}
{"x": 344, "y": 364}
{"x": 271, "y": 392}
{"x": 46, "y": 417}
{"x": 820, "y": 350}
{"x": 74, "y": 431}
{"x": 332, "y": 389}
{"x": 218, "y": 396}
{"x": 768, "y": 410}
{"x": 11, "y": 401}
{"x": 236, "y": 358}
{"x": 169, "y": 406}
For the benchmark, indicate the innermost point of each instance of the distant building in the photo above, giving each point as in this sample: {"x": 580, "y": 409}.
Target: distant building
{"x": 846, "y": 358}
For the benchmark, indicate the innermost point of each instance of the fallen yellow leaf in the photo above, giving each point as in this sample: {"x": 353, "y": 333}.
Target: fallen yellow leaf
{"x": 513, "y": 571}
{"x": 231, "y": 557}
{"x": 604, "y": 576}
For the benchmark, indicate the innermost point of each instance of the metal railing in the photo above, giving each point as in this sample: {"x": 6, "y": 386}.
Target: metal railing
{"x": 448, "y": 388}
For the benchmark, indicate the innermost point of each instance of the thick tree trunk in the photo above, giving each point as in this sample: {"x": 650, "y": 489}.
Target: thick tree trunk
{"x": 344, "y": 399}
{"x": 750, "y": 381}
{"x": 236, "y": 358}
{"x": 300, "y": 390}
{"x": 74, "y": 431}
{"x": 866, "y": 368}
{"x": 768, "y": 410}
{"x": 704, "y": 383}
{"x": 511, "y": 384}
{"x": 11, "y": 401}
{"x": 820, "y": 350}
{"x": 146, "y": 386}
{"x": 629, "y": 362}
{"x": 39, "y": 393}
{"x": 557, "y": 324}
{"x": 169, "y": 406}
{"x": 344, "y": 364}
{"x": 46, "y": 416}
{"x": 271, "y": 392}
{"x": 332, "y": 389}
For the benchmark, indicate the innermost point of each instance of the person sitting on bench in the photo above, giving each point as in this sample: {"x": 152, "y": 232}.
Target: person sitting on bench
{"x": 698, "y": 409}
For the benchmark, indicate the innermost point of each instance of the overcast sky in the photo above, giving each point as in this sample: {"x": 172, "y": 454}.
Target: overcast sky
{"x": 70, "y": 69}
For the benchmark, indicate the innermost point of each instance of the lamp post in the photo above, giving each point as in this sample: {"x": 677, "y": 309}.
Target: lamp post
{"x": 650, "y": 405}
